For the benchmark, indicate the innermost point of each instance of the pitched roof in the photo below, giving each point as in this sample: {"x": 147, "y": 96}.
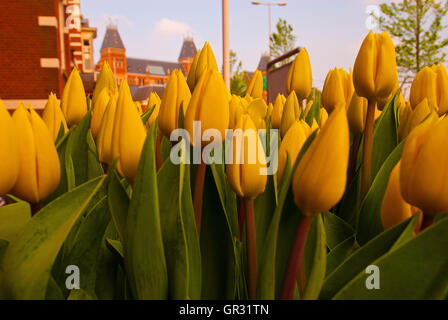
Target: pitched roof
{"x": 88, "y": 80}
{"x": 142, "y": 93}
{"x": 188, "y": 49}
{"x": 112, "y": 38}
{"x": 154, "y": 67}
{"x": 263, "y": 64}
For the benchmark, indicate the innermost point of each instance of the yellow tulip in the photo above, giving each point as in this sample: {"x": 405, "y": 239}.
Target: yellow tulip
{"x": 356, "y": 114}
{"x": 277, "y": 111}
{"x": 106, "y": 80}
{"x": 244, "y": 174}
{"x": 105, "y": 134}
{"x": 375, "y": 70}
{"x": 306, "y": 128}
{"x": 53, "y": 116}
{"x": 424, "y": 167}
{"x": 191, "y": 78}
{"x": 308, "y": 107}
{"x": 209, "y": 104}
{"x": 153, "y": 101}
{"x": 404, "y": 114}
{"x": 205, "y": 61}
{"x": 292, "y": 144}
{"x": 314, "y": 125}
{"x": 236, "y": 110}
{"x": 175, "y": 94}
{"x": 138, "y": 106}
{"x": 320, "y": 178}
{"x": 40, "y": 171}
{"x": 9, "y": 156}
{"x": 255, "y": 87}
{"x": 98, "y": 111}
{"x": 442, "y": 88}
{"x": 423, "y": 87}
{"x": 394, "y": 209}
{"x": 338, "y": 89}
{"x": 270, "y": 108}
{"x": 129, "y": 134}
{"x": 291, "y": 113}
{"x": 323, "y": 117}
{"x": 416, "y": 117}
{"x": 257, "y": 110}
{"x": 300, "y": 78}
{"x": 73, "y": 101}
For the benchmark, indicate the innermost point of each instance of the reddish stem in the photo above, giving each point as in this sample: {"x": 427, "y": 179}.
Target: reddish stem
{"x": 198, "y": 192}
{"x": 296, "y": 258}
{"x": 251, "y": 249}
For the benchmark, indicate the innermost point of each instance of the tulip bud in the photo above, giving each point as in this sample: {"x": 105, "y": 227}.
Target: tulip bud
{"x": 277, "y": 111}
{"x": 206, "y": 60}
{"x": 356, "y": 114}
{"x": 291, "y": 113}
{"x": 292, "y": 144}
{"x": 257, "y": 110}
{"x": 138, "y": 106}
{"x": 73, "y": 101}
{"x": 129, "y": 134}
{"x": 175, "y": 94}
{"x": 270, "y": 108}
{"x": 236, "y": 110}
{"x": 404, "y": 114}
{"x": 255, "y": 87}
{"x": 394, "y": 209}
{"x": 320, "y": 178}
{"x": 338, "y": 89}
{"x": 375, "y": 70}
{"x": 98, "y": 111}
{"x": 106, "y": 80}
{"x": 424, "y": 86}
{"x": 306, "y": 128}
{"x": 416, "y": 117}
{"x": 40, "y": 170}
{"x": 244, "y": 174}
{"x": 53, "y": 116}
{"x": 323, "y": 117}
{"x": 105, "y": 134}
{"x": 153, "y": 101}
{"x": 308, "y": 107}
{"x": 424, "y": 167}
{"x": 191, "y": 78}
{"x": 441, "y": 88}
{"x": 9, "y": 156}
{"x": 209, "y": 104}
{"x": 300, "y": 79}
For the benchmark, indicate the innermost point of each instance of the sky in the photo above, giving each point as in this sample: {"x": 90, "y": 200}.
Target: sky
{"x": 331, "y": 30}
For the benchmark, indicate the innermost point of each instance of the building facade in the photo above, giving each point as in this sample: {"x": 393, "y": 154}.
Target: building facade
{"x": 41, "y": 41}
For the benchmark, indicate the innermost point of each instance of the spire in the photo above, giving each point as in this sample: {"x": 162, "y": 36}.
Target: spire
{"x": 188, "y": 48}
{"x": 112, "y": 38}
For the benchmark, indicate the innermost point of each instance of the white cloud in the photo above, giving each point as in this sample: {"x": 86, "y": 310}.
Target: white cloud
{"x": 168, "y": 27}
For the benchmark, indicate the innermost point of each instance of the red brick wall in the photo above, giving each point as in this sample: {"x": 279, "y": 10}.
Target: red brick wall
{"x": 22, "y": 43}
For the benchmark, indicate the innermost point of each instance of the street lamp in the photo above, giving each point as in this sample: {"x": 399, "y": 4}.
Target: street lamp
{"x": 269, "y": 4}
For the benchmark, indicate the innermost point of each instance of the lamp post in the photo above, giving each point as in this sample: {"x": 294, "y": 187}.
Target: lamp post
{"x": 269, "y": 5}
{"x": 225, "y": 43}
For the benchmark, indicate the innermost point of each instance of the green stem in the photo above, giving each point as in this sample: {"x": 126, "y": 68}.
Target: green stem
{"x": 367, "y": 150}
{"x": 198, "y": 193}
{"x": 251, "y": 249}
{"x": 353, "y": 158}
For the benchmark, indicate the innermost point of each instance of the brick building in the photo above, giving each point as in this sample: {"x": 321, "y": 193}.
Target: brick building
{"x": 40, "y": 42}
{"x": 142, "y": 75}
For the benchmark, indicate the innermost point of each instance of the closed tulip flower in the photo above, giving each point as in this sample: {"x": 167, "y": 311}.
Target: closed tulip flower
{"x": 255, "y": 87}
{"x": 320, "y": 178}
{"x": 245, "y": 178}
{"x": 306, "y": 128}
{"x": 105, "y": 135}
{"x": 423, "y": 87}
{"x": 375, "y": 70}
{"x": 424, "y": 167}
{"x": 53, "y": 117}
{"x": 9, "y": 157}
{"x": 394, "y": 209}
{"x": 323, "y": 117}
{"x": 277, "y": 111}
{"x": 270, "y": 108}
{"x": 308, "y": 107}
{"x": 129, "y": 134}
{"x": 292, "y": 144}
{"x": 153, "y": 101}
{"x": 442, "y": 88}
{"x": 98, "y": 111}
{"x": 206, "y": 60}
{"x": 236, "y": 110}
{"x": 338, "y": 89}
{"x": 191, "y": 78}
{"x": 416, "y": 117}
{"x": 300, "y": 79}
{"x": 175, "y": 94}
{"x": 106, "y": 80}
{"x": 356, "y": 114}
{"x": 291, "y": 113}
{"x": 404, "y": 113}
{"x": 73, "y": 101}
{"x": 257, "y": 110}
{"x": 40, "y": 171}
{"x": 209, "y": 104}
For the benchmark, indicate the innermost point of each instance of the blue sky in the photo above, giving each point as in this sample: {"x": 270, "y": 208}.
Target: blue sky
{"x": 331, "y": 30}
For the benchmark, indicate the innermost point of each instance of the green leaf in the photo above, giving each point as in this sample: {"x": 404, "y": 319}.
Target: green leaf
{"x": 359, "y": 260}
{"x": 314, "y": 113}
{"x": 116, "y": 247}
{"x": 336, "y": 230}
{"x": 315, "y": 259}
{"x": 26, "y": 266}
{"x": 118, "y": 204}
{"x": 13, "y": 217}
{"x": 80, "y": 294}
{"x": 348, "y": 208}
{"x": 53, "y": 292}
{"x": 416, "y": 270}
{"x": 94, "y": 168}
{"x": 145, "y": 116}
{"x": 370, "y": 224}
{"x": 143, "y": 251}
{"x": 341, "y": 252}
{"x": 3, "y": 246}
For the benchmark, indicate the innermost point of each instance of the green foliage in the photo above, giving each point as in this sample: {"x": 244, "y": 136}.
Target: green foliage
{"x": 238, "y": 83}
{"x": 282, "y": 40}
